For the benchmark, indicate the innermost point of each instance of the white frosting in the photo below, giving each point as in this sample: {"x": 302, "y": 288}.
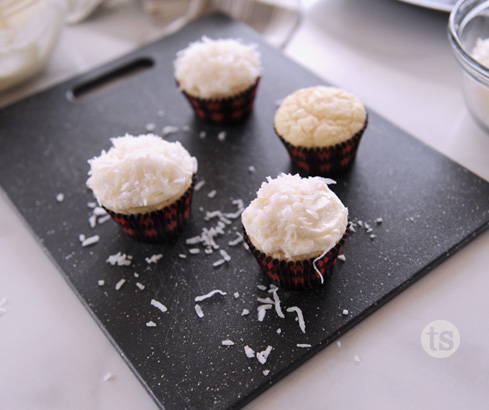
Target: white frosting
{"x": 319, "y": 116}
{"x": 217, "y": 68}
{"x": 295, "y": 218}
{"x": 481, "y": 51}
{"x": 139, "y": 174}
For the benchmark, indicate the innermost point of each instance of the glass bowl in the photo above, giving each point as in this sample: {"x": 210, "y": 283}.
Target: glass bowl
{"x": 29, "y": 29}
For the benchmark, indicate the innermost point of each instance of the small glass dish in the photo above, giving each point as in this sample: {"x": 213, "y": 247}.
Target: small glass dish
{"x": 29, "y": 29}
{"x": 469, "y": 21}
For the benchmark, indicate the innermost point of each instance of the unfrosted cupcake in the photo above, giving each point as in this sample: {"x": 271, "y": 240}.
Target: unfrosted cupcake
{"x": 145, "y": 183}
{"x": 295, "y": 228}
{"x": 219, "y": 78}
{"x": 321, "y": 128}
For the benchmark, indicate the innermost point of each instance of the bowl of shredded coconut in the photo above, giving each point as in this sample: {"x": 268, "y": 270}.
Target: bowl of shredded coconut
{"x": 468, "y": 31}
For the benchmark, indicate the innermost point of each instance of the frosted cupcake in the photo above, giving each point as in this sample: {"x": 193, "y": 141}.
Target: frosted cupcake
{"x": 295, "y": 228}
{"x": 219, "y": 78}
{"x": 145, "y": 183}
{"x": 321, "y": 128}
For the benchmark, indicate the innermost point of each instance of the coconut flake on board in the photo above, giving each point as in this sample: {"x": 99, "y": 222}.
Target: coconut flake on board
{"x": 119, "y": 259}
{"x": 227, "y": 342}
{"x": 199, "y": 311}
{"x": 153, "y": 258}
{"x": 209, "y": 295}
{"x": 263, "y": 355}
{"x": 158, "y": 305}
{"x": 119, "y": 284}
{"x": 300, "y": 317}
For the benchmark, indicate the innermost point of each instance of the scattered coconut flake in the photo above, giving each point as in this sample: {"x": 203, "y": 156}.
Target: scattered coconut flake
{"x": 261, "y": 287}
{"x": 372, "y": 237}
{"x": 266, "y": 300}
{"x": 92, "y": 221}
{"x": 236, "y": 295}
{"x": 194, "y": 251}
{"x": 81, "y": 237}
{"x": 101, "y": 282}
{"x": 262, "y": 311}
{"x": 225, "y": 255}
{"x": 219, "y": 262}
{"x": 169, "y": 129}
{"x": 119, "y": 284}
{"x": 199, "y": 311}
{"x": 91, "y": 204}
{"x": 278, "y": 304}
{"x": 357, "y": 358}
{"x": 245, "y": 245}
{"x": 140, "y": 285}
{"x": 237, "y": 240}
{"x": 342, "y": 258}
{"x": 279, "y": 331}
{"x": 158, "y": 305}
{"x": 378, "y": 221}
{"x": 108, "y": 377}
{"x": 345, "y": 312}
{"x": 92, "y": 240}
{"x": 266, "y": 372}
{"x": 251, "y": 168}
{"x": 221, "y": 136}
{"x": 199, "y": 185}
{"x": 98, "y": 211}
{"x": 249, "y": 352}
{"x": 227, "y": 342}
{"x": 209, "y": 295}
{"x": 153, "y": 258}
{"x": 60, "y": 197}
{"x": 150, "y": 324}
{"x": 263, "y": 355}
{"x": 272, "y": 288}
{"x": 338, "y": 343}
{"x": 182, "y": 256}
{"x": 300, "y": 317}
{"x": 151, "y": 126}
{"x": 245, "y": 312}
{"x": 103, "y": 219}
{"x": 119, "y": 259}
{"x": 186, "y": 128}
{"x": 202, "y": 134}
{"x": 303, "y": 345}
{"x": 136, "y": 275}
{"x": 212, "y": 194}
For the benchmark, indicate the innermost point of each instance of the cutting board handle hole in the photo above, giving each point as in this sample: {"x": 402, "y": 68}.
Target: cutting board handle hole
{"x": 111, "y": 78}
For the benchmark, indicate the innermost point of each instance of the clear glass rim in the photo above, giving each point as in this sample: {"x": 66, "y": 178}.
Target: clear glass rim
{"x": 453, "y": 33}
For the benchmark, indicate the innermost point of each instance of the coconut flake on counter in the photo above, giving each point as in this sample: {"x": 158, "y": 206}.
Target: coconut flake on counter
{"x": 379, "y": 221}
{"x": 300, "y": 317}
{"x": 212, "y": 194}
{"x": 251, "y": 169}
{"x": 345, "y": 312}
{"x": 199, "y": 185}
{"x": 150, "y": 126}
{"x": 263, "y": 355}
{"x": 338, "y": 343}
{"x": 303, "y": 345}
{"x": 199, "y": 311}
{"x": 278, "y": 331}
{"x": 98, "y": 211}
{"x": 262, "y": 311}
{"x": 153, "y": 258}
{"x": 221, "y": 136}
{"x": 119, "y": 284}
{"x": 266, "y": 300}
{"x": 101, "y": 282}
{"x": 119, "y": 259}
{"x": 182, "y": 256}
{"x": 91, "y": 204}
{"x": 202, "y": 134}
{"x": 60, "y": 197}
{"x": 140, "y": 286}
{"x": 209, "y": 295}
{"x": 136, "y": 275}
{"x": 103, "y": 219}
{"x": 169, "y": 129}
{"x": 108, "y": 377}
{"x": 245, "y": 312}
{"x": 92, "y": 240}
{"x": 227, "y": 342}
{"x": 237, "y": 240}
{"x": 150, "y": 324}
{"x": 372, "y": 237}
{"x": 194, "y": 251}
{"x": 225, "y": 255}
{"x": 261, "y": 287}
{"x": 249, "y": 352}
{"x": 218, "y": 263}
{"x": 342, "y": 258}
{"x": 278, "y": 304}
{"x": 236, "y": 295}
{"x": 158, "y": 305}
{"x": 266, "y": 372}
{"x": 92, "y": 221}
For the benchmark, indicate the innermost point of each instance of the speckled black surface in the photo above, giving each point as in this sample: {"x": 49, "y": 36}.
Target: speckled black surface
{"x": 430, "y": 206}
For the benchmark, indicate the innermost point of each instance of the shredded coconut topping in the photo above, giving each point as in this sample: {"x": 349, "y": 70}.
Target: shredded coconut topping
{"x": 140, "y": 172}
{"x": 217, "y": 68}
{"x": 263, "y": 355}
{"x": 199, "y": 311}
{"x": 249, "y": 352}
{"x": 209, "y": 295}
{"x": 227, "y": 342}
{"x": 295, "y": 218}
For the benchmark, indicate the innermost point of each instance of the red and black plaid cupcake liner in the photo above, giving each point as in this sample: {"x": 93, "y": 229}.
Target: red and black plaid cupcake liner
{"x": 325, "y": 161}
{"x": 297, "y": 275}
{"x": 224, "y": 110}
{"x": 157, "y": 226}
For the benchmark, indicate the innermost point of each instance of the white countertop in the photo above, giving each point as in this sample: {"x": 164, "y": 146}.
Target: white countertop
{"x": 397, "y": 59}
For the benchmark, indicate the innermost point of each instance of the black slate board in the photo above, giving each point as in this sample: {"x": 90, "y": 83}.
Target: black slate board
{"x": 430, "y": 206}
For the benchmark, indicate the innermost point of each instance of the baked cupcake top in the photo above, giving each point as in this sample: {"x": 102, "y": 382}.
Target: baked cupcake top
{"x": 140, "y": 174}
{"x": 217, "y": 68}
{"x": 295, "y": 218}
{"x": 319, "y": 116}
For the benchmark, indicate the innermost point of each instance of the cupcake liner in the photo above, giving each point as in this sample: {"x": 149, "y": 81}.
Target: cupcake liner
{"x": 157, "y": 226}
{"x": 326, "y": 161}
{"x": 297, "y": 275}
{"x": 224, "y": 110}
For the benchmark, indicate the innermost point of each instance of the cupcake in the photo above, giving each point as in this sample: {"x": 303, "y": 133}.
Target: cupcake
{"x": 321, "y": 128}
{"x": 145, "y": 183}
{"x": 295, "y": 228}
{"x": 219, "y": 78}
